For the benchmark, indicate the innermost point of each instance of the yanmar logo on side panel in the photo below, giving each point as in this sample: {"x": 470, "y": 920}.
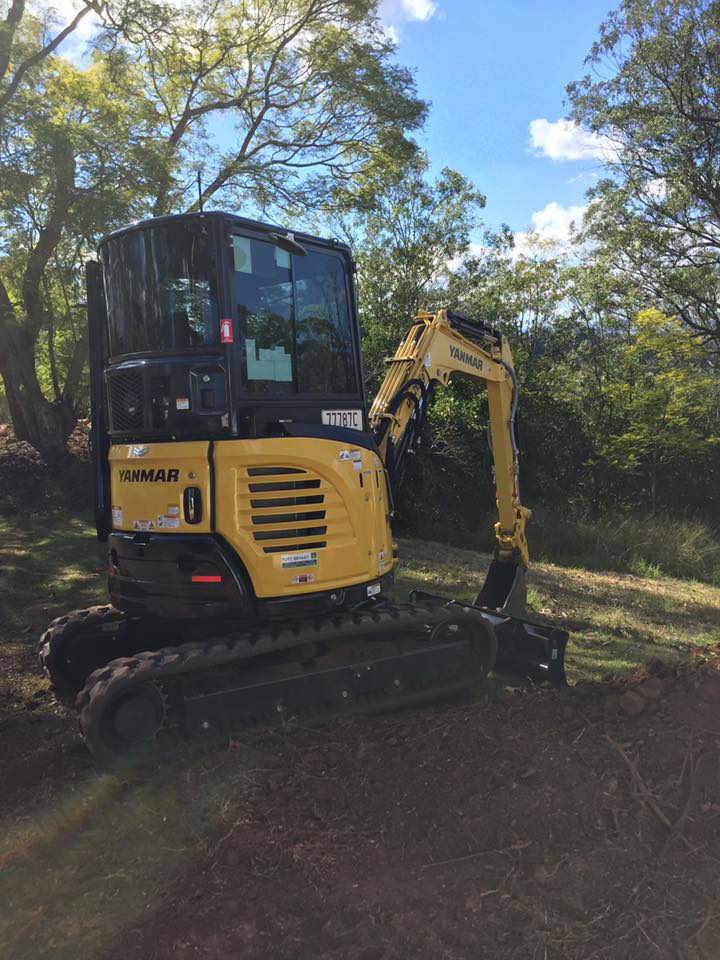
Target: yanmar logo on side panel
{"x": 161, "y": 475}
{"x": 457, "y": 354}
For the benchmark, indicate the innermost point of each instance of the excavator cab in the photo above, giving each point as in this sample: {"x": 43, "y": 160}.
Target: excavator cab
{"x": 205, "y": 326}
{"x": 230, "y": 420}
{"x": 245, "y": 493}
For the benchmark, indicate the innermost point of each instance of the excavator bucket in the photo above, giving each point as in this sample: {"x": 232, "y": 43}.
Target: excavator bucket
{"x": 505, "y": 588}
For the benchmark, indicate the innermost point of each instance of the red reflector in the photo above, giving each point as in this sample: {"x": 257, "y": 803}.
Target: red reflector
{"x": 206, "y": 579}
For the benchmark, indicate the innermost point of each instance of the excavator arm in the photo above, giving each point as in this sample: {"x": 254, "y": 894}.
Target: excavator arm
{"x": 436, "y": 348}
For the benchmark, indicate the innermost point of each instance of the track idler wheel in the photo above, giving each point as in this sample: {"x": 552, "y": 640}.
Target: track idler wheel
{"x": 125, "y": 724}
{"x": 77, "y": 643}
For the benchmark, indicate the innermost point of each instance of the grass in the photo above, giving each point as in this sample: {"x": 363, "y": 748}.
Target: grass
{"x": 616, "y": 622}
{"x": 650, "y": 547}
{"x": 47, "y": 565}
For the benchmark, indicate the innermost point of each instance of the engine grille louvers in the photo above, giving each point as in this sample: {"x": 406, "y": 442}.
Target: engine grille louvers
{"x": 290, "y": 530}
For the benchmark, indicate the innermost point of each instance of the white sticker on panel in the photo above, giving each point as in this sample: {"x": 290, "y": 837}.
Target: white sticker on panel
{"x": 288, "y": 560}
{"x": 242, "y": 254}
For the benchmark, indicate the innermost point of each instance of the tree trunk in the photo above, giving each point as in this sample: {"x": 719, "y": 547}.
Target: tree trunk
{"x": 597, "y": 496}
{"x": 653, "y": 483}
{"x": 35, "y": 419}
{"x": 44, "y": 424}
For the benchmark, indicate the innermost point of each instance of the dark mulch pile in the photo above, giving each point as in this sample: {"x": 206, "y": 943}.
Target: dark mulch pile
{"x": 28, "y": 484}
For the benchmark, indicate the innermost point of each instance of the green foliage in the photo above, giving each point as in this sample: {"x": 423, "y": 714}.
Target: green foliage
{"x": 618, "y": 405}
{"x": 654, "y": 94}
{"x": 406, "y": 233}
{"x": 632, "y": 543}
{"x": 665, "y": 399}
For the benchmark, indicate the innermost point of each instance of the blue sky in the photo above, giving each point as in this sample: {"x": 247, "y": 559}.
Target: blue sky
{"x": 495, "y": 74}
{"x": 490, "y": 69}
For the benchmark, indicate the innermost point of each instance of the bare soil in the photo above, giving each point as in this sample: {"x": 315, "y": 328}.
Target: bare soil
{"x": 582, "y": 823}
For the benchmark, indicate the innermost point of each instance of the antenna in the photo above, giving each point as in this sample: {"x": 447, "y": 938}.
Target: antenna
{"x": 200, "y": 193}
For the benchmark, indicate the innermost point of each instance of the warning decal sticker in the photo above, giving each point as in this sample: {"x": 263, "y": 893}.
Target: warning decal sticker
{"x": 289, "y": 560}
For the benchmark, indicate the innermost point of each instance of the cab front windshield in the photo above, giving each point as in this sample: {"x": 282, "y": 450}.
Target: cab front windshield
{"x": 160, "y": 289}
{"x": 293, "y": 317}
{"x": 291, "y": 313}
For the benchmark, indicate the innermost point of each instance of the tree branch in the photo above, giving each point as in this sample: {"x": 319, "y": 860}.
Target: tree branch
{"x": 44, "y": 52}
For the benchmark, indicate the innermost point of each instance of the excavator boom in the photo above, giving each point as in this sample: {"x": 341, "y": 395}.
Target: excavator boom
{"x": 436, "y": 348}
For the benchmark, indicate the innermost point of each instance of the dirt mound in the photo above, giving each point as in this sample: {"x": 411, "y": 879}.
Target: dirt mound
{"x": 29, "y": 485}
{"x": 23, "y": 477}
{"x": 549, "y": 824}
{"x": 78, "y": 442}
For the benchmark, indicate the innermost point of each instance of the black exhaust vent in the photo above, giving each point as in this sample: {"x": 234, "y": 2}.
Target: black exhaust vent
{"x": 127, "y": 400}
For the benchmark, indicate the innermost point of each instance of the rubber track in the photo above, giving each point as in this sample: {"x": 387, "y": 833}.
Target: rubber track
{"x": 181, "y": 661}
{"x": 63, "y": 629}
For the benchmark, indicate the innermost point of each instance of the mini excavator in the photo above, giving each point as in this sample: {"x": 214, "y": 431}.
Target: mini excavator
{"x": 245, "y": 495}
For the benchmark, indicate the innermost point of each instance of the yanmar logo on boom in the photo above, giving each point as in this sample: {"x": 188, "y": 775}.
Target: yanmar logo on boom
{"x": 457, "y": 354}
{"x": 161, "y": 475}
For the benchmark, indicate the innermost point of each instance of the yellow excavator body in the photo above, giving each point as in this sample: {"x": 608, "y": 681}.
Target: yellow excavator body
{"x": 326, "y": 528}
{"x": 246, "y": 494}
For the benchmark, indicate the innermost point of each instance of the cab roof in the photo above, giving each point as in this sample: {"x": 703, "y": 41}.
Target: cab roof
{"x": 231, "y": 218}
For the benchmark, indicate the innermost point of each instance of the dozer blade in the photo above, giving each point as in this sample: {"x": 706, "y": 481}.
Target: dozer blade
{"x": 526, "y": 649}
{"x": 529, "y": 649}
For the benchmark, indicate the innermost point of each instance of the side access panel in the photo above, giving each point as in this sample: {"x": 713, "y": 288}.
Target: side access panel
{"x": 151, "y": 485}
{"x": 303, "y": 514}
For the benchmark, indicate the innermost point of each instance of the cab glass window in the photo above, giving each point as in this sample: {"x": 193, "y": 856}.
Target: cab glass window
{"x": 160, "y": 289}
{"x": 294, "y": 320}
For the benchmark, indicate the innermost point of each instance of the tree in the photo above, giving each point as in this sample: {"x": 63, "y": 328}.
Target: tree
{"x": 17, "y": 62}
{"x": 406, "y": 236}
{"x": 75, "y": 153}
{"x": 307, "y": 86}
{"x": 278, "y": 102}
{"x": 665, "y": 398}
{"x": 654, "y": 95}
{"x": 406, "y": 231}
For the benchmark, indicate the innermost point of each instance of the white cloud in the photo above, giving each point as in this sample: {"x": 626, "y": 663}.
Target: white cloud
{"x": 565, "y": 140}
{"x": 394, "y": 13}
{"x": 66, "y": 11}
{"x": 391, "y": 33}
{"x": 551, "y": 232}
{"x": 554, "y": 222}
